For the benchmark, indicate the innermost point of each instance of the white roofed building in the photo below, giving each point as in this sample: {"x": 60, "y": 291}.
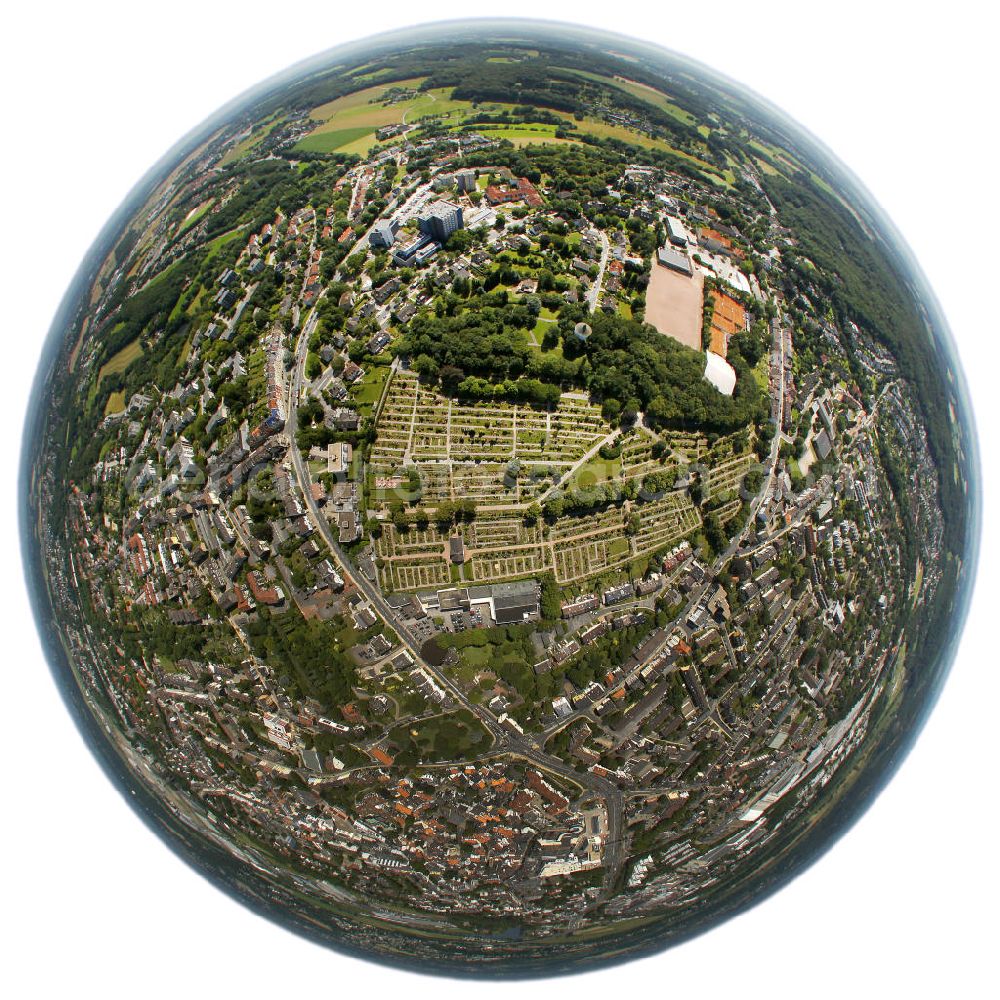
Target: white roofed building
{"x": 720, "y": 373}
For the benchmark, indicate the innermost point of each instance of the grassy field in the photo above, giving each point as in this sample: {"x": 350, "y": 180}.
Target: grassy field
{"x": 521, "y": 135}
{"x": 115, "y": 403}
{"x": 75, "y": 353}
{"x": 348, "y": 124}
{"x": 338, "y": 139}
{"x": 220, "y": 241}
{"x": 760, "y": 372}
{"x": 597, "y": 470}
{"x": 132, "y": 351}
{"x": 367, "y": 392}
{"x": 603, "y": 129}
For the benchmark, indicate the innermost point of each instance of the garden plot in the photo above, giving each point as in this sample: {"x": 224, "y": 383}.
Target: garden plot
{"x": 663, "y": 522}
{"x": 429, "y": 431}
{"x": 728, "y": 510}
{"x": 413, "y": 541}
{"x": 481, "y": 433}
{"x": 588, "y": 524}
{"x": 419, "y": 425}
{"x": 482, "y": 483}
{"x": 415, "y": 574}
{"x": 725, "y": 477}
{"x": 687, "y": 447}
{"x": 412, "y": 559}
{"x": 501, "y": 456}
{"x": 435, "y": 482}
{"x": 583, "y": 546}
{"x": 502, "y": 533}
{"x": 637, "y": 457}
{"x": 591, "y": 555}
{"x": 491, "y": 566}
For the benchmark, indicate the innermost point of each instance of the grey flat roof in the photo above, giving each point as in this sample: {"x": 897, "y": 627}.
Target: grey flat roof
{"x": 513, "y": 601}
{"x": 526, "y": 587}
{"x": 672, "y": 258}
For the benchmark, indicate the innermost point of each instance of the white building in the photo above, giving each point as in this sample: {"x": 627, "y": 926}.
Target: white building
{"x": 720, "y": 373}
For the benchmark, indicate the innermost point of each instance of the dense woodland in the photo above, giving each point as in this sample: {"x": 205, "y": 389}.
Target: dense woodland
{"x": 482, "y": 353}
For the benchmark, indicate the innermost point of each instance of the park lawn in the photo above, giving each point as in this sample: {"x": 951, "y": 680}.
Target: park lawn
{"x": 132, "y": 351}
{"x": 115, "y": 403}
{"x": 441, "y": 737}
{"x": 537, "y": 335}
{"x": 597, "y": 470}
{"x": 368, "y": 391}
{"x": 478, "y": 656}
{"x": 618, "y": 547}
{"x": 541, "y": 325}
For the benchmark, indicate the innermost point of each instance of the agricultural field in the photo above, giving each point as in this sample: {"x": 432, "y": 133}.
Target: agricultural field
{"x": 118, "y": 362}
{"x": 349, "y": 123}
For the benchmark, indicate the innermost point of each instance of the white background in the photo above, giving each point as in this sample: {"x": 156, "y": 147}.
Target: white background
{"x": 94, "y": 93}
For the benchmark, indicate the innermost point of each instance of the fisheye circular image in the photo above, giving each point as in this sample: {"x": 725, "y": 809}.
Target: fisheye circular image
{"x": 499, "y": 499}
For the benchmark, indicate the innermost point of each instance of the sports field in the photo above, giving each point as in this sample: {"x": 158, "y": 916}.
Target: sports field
{"x": 673, "y": 304}
{"x": 728, "y": 319}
